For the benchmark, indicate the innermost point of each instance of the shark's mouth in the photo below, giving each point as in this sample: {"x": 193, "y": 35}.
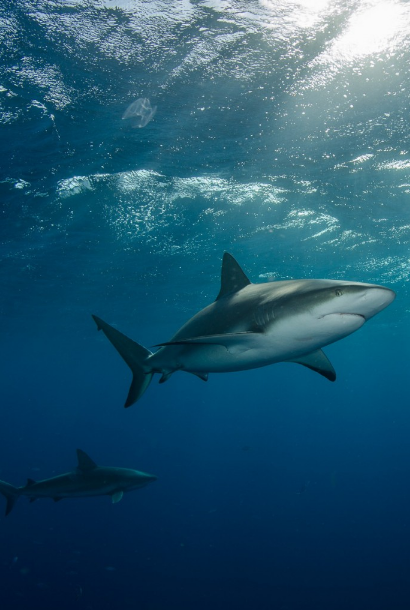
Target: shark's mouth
{"x": 344, "y": 314}
{"x": 355, "y": 315}
{"x": 344, "y": 319}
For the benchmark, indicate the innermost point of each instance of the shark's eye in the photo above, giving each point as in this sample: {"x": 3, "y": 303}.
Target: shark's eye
{"x": 338, "y": 292}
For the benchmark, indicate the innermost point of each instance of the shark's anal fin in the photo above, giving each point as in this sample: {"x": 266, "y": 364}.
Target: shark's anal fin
{"x": 232, "y": 277}
{"x": 85, "y": 463}
{"x": 117, "y": 497}
{"x": 319, "y": 362}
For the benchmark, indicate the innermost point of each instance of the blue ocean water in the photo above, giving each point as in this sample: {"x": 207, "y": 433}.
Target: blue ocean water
{"x": 281, "y": 135}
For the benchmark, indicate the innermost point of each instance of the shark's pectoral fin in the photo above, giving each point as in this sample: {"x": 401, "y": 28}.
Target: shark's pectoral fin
{"x": 319, "y": 362}
{"x": 203, "y": 376}
{"x": 235, "y": 343}
{"x": 117, "y": 497}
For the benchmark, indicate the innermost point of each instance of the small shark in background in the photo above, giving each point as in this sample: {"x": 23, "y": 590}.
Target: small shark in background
{"x": 253, "y": 325}
{"x": 85, "y": 481}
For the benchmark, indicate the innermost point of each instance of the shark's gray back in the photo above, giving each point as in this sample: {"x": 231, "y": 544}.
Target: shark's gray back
{"x": 253, "y": 308}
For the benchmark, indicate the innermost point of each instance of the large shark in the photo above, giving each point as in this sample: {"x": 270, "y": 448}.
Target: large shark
{"x": 86, "y": 480}
{"x": 253, "y": 325}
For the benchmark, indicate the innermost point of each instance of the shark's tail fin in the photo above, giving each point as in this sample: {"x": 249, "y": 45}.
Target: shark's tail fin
{"x": 135, "y": 355}
{"x": 11, "y": 495}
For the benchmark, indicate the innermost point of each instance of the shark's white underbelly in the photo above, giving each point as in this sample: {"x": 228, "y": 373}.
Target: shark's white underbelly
{"x": 218, "y": 359}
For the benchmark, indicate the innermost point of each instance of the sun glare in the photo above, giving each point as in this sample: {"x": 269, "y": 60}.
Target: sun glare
{"x": 375, "y": 28}
{"x": 302, "y": 13}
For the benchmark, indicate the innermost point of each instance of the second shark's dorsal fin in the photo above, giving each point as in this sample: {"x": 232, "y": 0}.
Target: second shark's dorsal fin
{"x": 84, "y": 461}
{"x": 232, "y": 276}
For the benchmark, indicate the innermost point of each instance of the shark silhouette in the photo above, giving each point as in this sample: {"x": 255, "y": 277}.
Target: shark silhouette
{"x": 253, "y": 325}
{"x": 86, "y": 480}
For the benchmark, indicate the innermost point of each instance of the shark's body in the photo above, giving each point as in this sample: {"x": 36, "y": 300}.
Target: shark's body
{"x": 253, "y": 325}
{"x": 85, "y": 481}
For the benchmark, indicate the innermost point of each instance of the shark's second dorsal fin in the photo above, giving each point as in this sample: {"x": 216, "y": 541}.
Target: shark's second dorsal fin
{"x": 84, "y": 461}
{"x": 232, "y": 276}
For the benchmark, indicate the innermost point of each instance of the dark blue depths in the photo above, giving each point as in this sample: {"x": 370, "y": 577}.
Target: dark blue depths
{"x": 276, "y": 488}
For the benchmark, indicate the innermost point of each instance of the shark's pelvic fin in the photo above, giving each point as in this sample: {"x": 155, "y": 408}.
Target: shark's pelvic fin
{"x": 165, "y": 376}
{"x": 117, "y": 497}
{"x": 319, "y": 362}
{"x": 11, "y": 494}
{"x": 135, "y": 355}
{"x": 232, "y": 277}
{"x": 85, "y": 463}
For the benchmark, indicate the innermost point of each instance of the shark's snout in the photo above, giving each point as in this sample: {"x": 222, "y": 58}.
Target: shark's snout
{"x": 373, "y": 300}
{"x": 147, "y": 478}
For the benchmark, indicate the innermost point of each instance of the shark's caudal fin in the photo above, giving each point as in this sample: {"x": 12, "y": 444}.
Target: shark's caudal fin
{"x": 11, "y": 495}
{"x": 135, "y": 356}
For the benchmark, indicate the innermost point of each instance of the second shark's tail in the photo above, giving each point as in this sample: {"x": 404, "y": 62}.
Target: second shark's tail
{"x": 10, "y": 493}
{"x": 135, "y": 356}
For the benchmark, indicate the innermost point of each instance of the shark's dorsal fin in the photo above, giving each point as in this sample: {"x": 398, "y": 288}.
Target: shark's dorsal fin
{"x": 30, "y": 482}
{"x": 232, "y": 277}
{"x": 84, "y": 461}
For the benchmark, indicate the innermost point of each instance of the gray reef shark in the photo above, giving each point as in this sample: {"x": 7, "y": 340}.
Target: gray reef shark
{"x": 86, "y": 480}
{"x": 253, "y": 325}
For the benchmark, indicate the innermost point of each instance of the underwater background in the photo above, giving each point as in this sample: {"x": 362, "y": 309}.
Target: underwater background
{"x": 141, "y": 139}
